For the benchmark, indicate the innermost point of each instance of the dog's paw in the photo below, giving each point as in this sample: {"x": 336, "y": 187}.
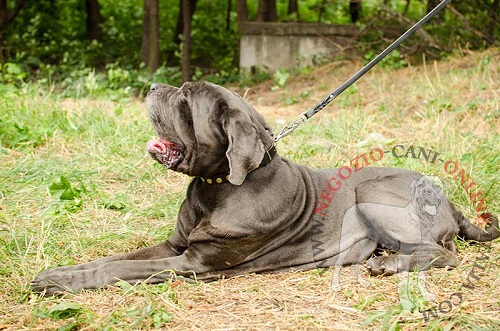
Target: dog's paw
{"x": 336, "y": 287}
{"x": 57, "y": 281}
{"x": 428, "y": 296}
{"x": 359, "y": 272}
{"x": 49, "y": 283}
{"x": 382, "y": 265}
{"x": 364, "y": 282}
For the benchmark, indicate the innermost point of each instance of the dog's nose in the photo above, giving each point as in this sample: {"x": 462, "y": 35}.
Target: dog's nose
{"x": 154, "y": 86}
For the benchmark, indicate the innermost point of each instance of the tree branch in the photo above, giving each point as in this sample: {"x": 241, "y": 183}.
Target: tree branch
{"x": 469, "y": 27}
{"x": 12, "y": 14}
{"x": 420, "y": 31}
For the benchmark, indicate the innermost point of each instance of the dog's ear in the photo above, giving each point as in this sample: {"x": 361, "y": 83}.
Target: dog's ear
{"x": 413, "y": 185}
{"x": 245, "y": 149}
{"x": 417, "y": 184}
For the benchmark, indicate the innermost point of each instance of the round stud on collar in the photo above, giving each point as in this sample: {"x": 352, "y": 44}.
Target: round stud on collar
{"x": 268, "y": 156}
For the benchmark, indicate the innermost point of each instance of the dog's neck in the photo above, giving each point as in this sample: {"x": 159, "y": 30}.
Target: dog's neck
{"x": 221, "y": 179}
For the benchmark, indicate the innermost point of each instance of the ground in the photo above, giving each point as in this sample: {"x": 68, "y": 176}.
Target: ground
{"x": 120, "y": 200}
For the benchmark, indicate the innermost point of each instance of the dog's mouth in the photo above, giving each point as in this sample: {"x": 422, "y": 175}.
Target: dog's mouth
{"x": 165, "y": 152}
{"x": 431, "y": 206}
{"x": 431, "y": 209}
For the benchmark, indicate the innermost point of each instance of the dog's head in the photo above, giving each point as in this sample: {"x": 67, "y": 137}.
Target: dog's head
{"x": 206, "y": 130}
{"x": 427, "y": 196}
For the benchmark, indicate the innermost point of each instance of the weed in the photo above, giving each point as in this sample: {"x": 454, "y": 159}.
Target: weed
{"x": 76, "y": 315}
{"x": 280, "y": 77}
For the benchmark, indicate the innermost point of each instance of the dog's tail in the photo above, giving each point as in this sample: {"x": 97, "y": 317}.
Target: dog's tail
{"x": 471, "y": 232}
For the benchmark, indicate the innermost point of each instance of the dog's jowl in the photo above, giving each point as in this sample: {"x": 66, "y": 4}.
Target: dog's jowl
{"x": 249, "y": 210}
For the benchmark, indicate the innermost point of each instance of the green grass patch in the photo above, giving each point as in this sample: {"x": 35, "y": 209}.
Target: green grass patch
{"x": 77, "y": 184}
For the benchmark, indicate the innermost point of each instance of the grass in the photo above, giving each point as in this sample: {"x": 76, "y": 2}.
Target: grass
{"x": 76, "y": 184}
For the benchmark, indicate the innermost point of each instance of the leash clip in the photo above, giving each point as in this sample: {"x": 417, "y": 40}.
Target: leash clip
{"x": 288, "y": 129}
{"x": 304, "y": 117}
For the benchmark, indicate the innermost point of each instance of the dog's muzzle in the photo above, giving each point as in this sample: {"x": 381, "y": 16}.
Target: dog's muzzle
{"x": 165, "y": 152}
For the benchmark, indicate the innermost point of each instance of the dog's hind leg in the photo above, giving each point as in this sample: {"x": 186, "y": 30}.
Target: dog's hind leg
{"x": 354, "y": 255}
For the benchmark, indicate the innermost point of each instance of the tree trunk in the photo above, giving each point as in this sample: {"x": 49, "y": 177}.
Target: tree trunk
{"x": 150, "y": 50}
{"x": 431, "y": 4}
{"x": 7, "y": 16}
{"x": 355, "y": 10}
{"x": 154, "y": 46}
{"x": 321, "y": 10}
{"x": 407, "y": 6}
{"x": 186, "y": 40}
{"x": 179, "y": 28}
{"x": 242, "y": 11}
{"x": 94, "y": 20}
{"x": 495, "y": 6}
{"x": 228, "y": 15}
{"x": 266, "y": 11}
{"x": 146, "y": 25}
{"x": 293, "y": 8}
{"x": 4, "y": 13}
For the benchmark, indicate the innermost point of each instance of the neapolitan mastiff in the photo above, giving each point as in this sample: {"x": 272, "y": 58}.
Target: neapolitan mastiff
{"x": 248, "y": 210}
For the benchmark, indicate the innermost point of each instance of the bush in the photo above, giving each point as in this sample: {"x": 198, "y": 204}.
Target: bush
{"x": 47, "y": 41}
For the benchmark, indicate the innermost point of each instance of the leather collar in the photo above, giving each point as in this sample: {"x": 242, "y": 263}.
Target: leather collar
{"x": 221, "y": 179}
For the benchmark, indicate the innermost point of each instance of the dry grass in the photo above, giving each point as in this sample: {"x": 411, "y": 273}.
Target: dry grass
{"x": 452, "y": 106}
{"x": 286, "y": 301}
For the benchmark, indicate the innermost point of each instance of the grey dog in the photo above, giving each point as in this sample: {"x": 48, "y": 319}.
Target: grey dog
{"x": 249, "y": 210}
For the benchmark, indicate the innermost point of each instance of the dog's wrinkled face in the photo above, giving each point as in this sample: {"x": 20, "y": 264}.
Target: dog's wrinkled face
{"x": 427, "y": 195}
{"x": 206, "y": 130}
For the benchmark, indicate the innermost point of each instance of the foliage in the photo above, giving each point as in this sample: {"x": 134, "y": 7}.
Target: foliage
{"x": 281, "y": 76}
{"x": 17, "y": 128}
{"x": 460, "y": 24}
{"x": 47, "y": 41}
{"x": 64, "y": 311}
{"x": 392, "y": 61}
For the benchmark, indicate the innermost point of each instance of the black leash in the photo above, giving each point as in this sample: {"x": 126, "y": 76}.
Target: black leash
{"x": 305, "y": 116}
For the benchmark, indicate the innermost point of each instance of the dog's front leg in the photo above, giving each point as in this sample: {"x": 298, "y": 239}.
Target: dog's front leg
{"x": 423, "y": 257}
{"x": 159, "y": 251}
{"x": 108, "y": 274}
{"x": 67, "y": 278}
{"x": 336, "y": 284}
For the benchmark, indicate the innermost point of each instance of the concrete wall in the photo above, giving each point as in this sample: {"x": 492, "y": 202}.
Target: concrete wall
{"x": 290, "y": 45}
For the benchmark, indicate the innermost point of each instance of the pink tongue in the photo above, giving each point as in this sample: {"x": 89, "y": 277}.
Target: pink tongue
{"x": 165, "y": 152}
{"x": 157, "y": 146}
